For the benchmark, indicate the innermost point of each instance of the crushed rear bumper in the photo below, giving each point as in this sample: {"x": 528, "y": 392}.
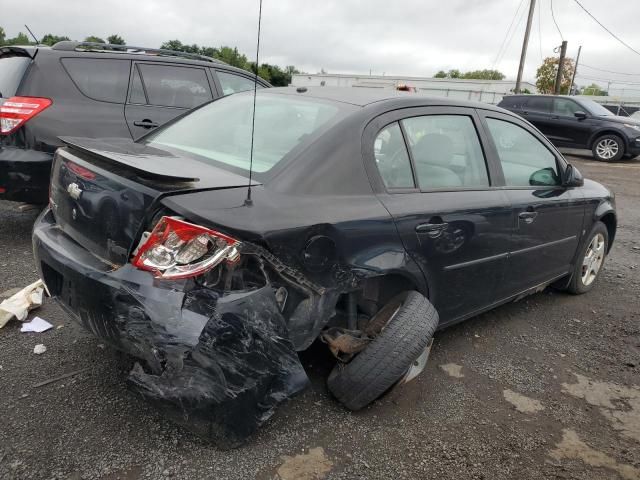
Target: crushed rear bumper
{"x": 217, "y": 363}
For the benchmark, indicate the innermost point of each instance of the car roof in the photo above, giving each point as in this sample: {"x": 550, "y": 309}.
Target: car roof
{"x": 363, "y": 97}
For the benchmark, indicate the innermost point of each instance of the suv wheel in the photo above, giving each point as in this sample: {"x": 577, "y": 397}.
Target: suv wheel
{"x": 608, "y": 148}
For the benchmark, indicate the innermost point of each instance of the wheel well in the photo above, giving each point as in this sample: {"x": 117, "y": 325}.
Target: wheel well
{"x": 377, "y": 291}
{"x": 610, "y": 222}
{"x": 607, "y": 132}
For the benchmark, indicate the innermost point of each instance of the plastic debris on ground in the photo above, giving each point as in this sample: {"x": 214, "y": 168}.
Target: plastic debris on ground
{"x": 21, "y": 303}
{"x": 37, "y": 325}
{"x": 39, "y": 349}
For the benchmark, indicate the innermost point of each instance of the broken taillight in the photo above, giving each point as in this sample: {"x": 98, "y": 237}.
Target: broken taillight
{"x": 16, "y": 111}
{"x": 177, "y": 249}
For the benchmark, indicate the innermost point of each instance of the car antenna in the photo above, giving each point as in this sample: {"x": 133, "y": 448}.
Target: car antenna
{"x": 248, "y": 201}
{"x": 34, "y": 37}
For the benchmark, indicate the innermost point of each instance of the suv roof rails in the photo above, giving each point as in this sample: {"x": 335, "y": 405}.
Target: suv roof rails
{"x": 129, "y": 49}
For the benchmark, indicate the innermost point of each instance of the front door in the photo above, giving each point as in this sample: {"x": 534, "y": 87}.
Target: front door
{"x": 548, "y": 216}
{"x": 453, "y": 223}
{"x": 568, "y": 130}
{"x": 160, "y": 92}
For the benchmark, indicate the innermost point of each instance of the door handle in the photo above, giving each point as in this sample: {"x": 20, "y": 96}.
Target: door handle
{"x": 433, "y": 230}
{"x": 528, "y": 216}
{"x": 146, "y": 123}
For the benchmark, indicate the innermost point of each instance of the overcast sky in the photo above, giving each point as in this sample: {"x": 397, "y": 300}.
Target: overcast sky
{"x": 408, "y": 37}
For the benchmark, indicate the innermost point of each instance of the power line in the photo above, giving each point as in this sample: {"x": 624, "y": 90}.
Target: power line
{"x": 610, "y": 71}
{"x": 495, "y": 62}
{"x": 554, "y": 21}
{"x": 607, "y": 80}
{"x": 513, "y": 32}
{"x": 608, "y": 31}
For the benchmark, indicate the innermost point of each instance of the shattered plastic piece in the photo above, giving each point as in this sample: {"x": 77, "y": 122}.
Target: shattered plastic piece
{"x": 37, "y": 325}
{"x": 39, "y": 349}
{"x": 21, "y": 303}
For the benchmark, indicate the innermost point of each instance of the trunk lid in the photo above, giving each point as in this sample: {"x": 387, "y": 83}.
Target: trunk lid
{"x": 102, "y": 192}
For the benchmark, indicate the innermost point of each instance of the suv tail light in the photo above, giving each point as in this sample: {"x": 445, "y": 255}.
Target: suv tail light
{"x": 16, "y": 111}
{"x": 177, "y": 249}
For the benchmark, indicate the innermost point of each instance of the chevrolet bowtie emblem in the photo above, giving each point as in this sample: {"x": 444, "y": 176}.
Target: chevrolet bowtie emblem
{"x": 74, "y": 191}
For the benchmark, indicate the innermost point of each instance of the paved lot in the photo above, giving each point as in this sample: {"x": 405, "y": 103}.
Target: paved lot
{"x": 545, "y": 388}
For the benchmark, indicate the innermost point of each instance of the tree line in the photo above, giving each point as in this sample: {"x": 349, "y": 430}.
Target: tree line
{"x": 274, "y": 74}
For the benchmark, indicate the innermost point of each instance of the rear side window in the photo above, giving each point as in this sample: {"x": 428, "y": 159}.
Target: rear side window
{"x": 101, "y": 79}
{"x": 525, "y": 160}
{"x": 446, "y": 152}
{"x": 11, "y": 72}
{"x": 234, "y": 83}
{"x": 169, "y": 86}
{"x": 538, "y": 104}
{"x": 392, "y": 158}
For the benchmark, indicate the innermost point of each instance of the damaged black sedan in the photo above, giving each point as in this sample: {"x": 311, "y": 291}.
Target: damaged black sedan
{"x": 368, "y": 220}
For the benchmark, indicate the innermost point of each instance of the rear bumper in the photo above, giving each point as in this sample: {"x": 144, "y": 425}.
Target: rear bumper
{"x": 24, "y": 175}
{"x": 217, "y": 363}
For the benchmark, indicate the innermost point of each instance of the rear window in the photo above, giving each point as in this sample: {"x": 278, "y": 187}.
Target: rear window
{"x": 220, "y": 133}
{"x": 11, "y": 72}
{"x": 101, "y": 79}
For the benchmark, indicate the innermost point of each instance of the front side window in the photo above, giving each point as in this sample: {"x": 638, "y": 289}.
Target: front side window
{"x": 169, "y": 86}
{"x": 565, "y": 107}
{"x": 446, "y": 152}
{"x": 392, "y": 158}
{"x": 234, "y": 83}
{"x": 101, "y": 79}
{"x": 220, "y": 133}
{"x": 525, "y": 160}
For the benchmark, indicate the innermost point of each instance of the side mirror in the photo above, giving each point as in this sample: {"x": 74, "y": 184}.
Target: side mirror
{"x": 572, "y": 177}
{"x": 580, "y": 115}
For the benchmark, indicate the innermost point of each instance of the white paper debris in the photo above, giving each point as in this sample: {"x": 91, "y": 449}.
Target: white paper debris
{"x": 39, "y": 349}
{"x": 37, "y": 325}
{"x": 19, "y": 304}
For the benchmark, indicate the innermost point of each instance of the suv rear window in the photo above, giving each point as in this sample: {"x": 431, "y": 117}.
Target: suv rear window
{"x": 11, "y": 72}
{"x": 99, "y": 78}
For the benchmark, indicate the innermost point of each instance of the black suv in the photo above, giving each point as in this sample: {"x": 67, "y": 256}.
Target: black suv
{"x": 93, "y": 90}
{"x": 577, "y": 122}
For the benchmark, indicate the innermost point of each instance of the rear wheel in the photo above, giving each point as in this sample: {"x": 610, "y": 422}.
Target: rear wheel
{"x": 590, "y": 261}
{"x": 608, "y": 148}
{"x": 409, "y": 321}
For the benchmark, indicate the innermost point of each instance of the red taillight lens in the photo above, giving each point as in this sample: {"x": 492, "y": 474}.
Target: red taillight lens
{"x": 16, "y": 111}
{"x": 81, "y": 171}
{"x": 178, "y": 249}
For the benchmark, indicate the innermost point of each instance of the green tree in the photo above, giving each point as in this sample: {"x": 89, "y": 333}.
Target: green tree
{"x": 94, "y": 39}
{"x": 440, "y": 74}
{"x": 2, "y": 36}
{"x": 593, "y": 89}
{"x": 546, "y": 75}
{"x": 484, "y": 75}
{"x": 20, "y": 39}
{"x": 232, "y": 57}
{"x": 115, "y": 40}
{"x": 50, "y": 39}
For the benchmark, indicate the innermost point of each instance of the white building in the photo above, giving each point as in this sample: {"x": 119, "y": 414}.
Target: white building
{"x": 488, "y": 91}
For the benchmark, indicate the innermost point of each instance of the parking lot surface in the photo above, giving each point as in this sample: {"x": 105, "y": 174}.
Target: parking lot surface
{"x": 548, "y": 387}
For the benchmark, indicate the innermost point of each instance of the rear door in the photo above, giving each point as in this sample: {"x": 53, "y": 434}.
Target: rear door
{"x": 439, "y": 189}
{"x": 569, "y": 130}
{"x": 547, "y": 216}
{"x": 159, "y": 92}
{"x": 537, "y": 110}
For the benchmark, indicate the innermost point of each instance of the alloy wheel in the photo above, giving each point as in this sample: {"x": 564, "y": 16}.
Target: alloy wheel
{"x": 607, "y": 148}
{"x": 593, "y": 259}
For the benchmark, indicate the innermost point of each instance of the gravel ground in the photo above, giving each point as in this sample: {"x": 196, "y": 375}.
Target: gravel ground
{"x": 544, "y": 388}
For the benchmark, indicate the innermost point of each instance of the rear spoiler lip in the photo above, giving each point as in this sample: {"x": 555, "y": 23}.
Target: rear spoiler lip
{"x": 74, "y": 143}
{"x": 19, "y": 51}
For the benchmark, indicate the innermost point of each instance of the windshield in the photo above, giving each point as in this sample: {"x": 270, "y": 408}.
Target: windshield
{"x": 220, "y": 132}
{"x": 11, "y": 72}
{"x": 595, "y": 108}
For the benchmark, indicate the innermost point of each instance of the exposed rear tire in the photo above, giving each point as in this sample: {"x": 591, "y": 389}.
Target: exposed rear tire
{"x": 388, "y": 357}
{"x": 608, "y": 148}
{"x": 583, "y": 278}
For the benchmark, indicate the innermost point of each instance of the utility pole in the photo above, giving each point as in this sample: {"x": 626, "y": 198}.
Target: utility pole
{"x": 525, "y": 43}
{"x": 563, "y": 53}
{"x": 575, "y": 70}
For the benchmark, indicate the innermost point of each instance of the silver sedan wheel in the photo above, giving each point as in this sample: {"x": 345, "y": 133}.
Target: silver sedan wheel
{"x": 607, "y": 148}
{"x": 593, "y": 259}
